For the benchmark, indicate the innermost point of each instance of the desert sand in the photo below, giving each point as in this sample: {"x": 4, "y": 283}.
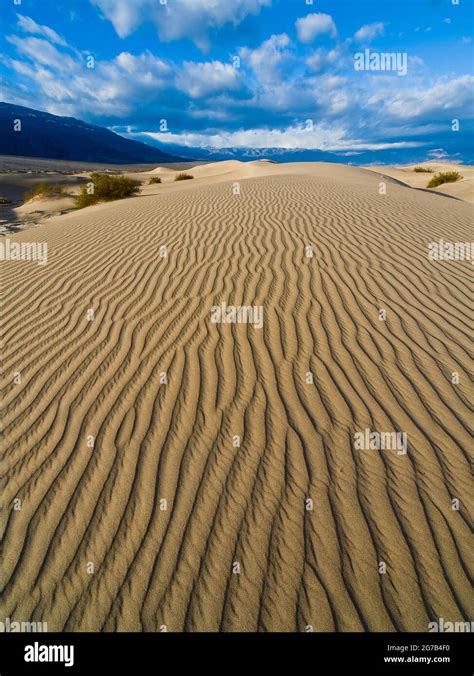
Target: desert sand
{"x": 163, "y": 471}
{"x": 19, "y": 175}
{"x": 463, "y": 189}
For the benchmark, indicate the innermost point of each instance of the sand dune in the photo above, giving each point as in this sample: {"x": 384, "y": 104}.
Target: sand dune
{"x": 463, "y": 189}
{"x": 236, "y": 546}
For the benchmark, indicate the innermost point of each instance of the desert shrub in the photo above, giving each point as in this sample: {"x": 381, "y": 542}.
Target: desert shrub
{"x": 154, "y": 179}
{"x": 423, "y": 170}
{"x": 183, "y": 177}
{"x": 447, "y": 177}
{"x": 106, "y": 189}
{"x": 46, "y": 190}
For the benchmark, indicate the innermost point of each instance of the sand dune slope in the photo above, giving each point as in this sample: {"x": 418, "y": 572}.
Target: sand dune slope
{"x": 463, "y": 189}
{"x": 167, "y": 520}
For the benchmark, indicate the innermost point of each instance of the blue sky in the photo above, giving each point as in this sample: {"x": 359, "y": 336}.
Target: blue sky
{"x": 293, "y": 85}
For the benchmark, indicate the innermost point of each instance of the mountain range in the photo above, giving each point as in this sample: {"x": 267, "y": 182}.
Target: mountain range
{"x": 33, "y": 133}
{"x": 66, "y": 138}
{"x": 388, "y": 156}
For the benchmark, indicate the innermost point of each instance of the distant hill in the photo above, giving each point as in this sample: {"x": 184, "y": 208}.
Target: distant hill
{"x": 65, "y": 138}
{"x": 388, "y": 156}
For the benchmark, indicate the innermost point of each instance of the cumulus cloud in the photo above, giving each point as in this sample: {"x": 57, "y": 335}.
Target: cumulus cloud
{"x": 333, "y": 94}
{"x": 66, "y": 87}
{"x": 145, "y": 66}
{"x": 263, "y": 103}
{"x": 28, "y": 25}
{"x": 369, "y": 32}
{"x": 179, "y": 18}
{"x": 441, "y": 99}
{"x": 312, "y": 25}
{"x": 267, "y": 60}
{"x": 203, "y": 79}
{"x": 322, "y": 59}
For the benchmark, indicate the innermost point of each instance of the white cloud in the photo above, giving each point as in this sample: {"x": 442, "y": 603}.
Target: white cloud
{"x": 312, "y": 25}
{"x": 127, "y": 78}
{"x": 332, "y": 94}
{"x": 204, "y": 79}
{"x": 145, "y": 67}
{"x": 274, "y": 86}
{"x": 369, "y": 31}
{"x": 438, "y": 153}
{"x": 28, "y": 25}
{"x": 23, "y": 68}
{"x": 322, "y": 59}
{"x": 178, "y": 18}
{"x": 42, "y": 52}
{"x": 321, "y": 137}
{"x": 55, "y": 89}
{"x": 66, "y": 86}
{"x": 267, "y": 60}
{"x": 442, "y": 97}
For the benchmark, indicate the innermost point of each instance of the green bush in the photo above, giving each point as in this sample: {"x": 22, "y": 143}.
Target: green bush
{"x": 448, "y": 177}
{"x": 423, "y": 170}
{"x": 183, "y": 177}
{"x": 154, "y": 179}
{"x": 46, "y": 190}
{"x": 106, "y": 189}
